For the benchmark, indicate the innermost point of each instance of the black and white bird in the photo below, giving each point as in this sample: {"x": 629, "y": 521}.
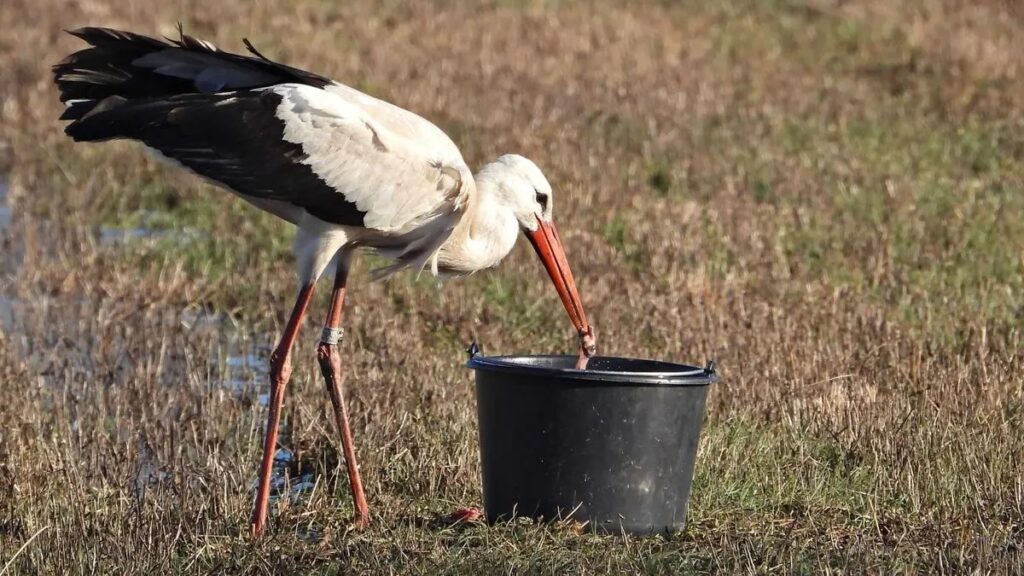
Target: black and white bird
{"x": 348, "y": 170}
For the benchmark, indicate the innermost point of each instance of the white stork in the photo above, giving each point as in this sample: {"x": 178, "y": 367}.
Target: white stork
{"x": 349, "y": 170}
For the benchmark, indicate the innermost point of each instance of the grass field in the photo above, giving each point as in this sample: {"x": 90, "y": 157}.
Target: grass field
{"x": 826, "y": 197}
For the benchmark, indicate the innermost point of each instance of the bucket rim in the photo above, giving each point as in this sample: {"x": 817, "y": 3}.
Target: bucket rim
{"x": 683, "y": 375}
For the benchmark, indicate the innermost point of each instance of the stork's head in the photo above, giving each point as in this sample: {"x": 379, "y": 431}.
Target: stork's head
{"x": 523, "y": 188}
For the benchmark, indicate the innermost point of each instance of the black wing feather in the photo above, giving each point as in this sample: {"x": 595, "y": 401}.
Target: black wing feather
{"x": 111, "y": 66}
{"x": 131, "y": 86}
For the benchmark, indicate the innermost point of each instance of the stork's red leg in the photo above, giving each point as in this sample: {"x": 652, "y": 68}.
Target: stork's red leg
{"x": 280, "y": 373}
{"x": 330, "y": 365}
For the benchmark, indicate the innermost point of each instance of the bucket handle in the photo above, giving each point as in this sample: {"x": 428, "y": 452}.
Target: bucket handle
{"x": 709, "y": 370}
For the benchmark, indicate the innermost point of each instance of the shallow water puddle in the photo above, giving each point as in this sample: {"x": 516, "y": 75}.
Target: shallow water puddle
{"x": 200, "y": 319}
{"x": 149, "y": 473}
{"x": 111, "y": 236}
{"x": 247, "y": 370}
{"x": 243, "y": 372}
{"x": 9, "y": 308}
{"x": 250, "y": 361}
{"x": 283, "y": 483}
{"x": 10, "y": 247}
{"x": 118, "y": 236}
{"x": 5, "y": 209}
{"x": 10, "y": 258}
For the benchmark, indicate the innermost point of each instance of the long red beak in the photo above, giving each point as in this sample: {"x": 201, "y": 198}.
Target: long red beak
{"x": 549, "y": 248}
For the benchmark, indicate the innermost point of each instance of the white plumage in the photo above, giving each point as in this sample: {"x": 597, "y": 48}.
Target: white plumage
{"x": 401, "y": 171}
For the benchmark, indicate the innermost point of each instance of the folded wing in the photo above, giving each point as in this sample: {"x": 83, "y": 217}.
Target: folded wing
{"x": 287, "y": 140}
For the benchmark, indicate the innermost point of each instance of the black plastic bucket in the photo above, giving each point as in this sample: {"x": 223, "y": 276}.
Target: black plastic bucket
{"x": 613, "y": 445}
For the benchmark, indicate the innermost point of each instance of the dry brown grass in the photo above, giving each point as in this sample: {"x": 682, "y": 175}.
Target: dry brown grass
{"x": 825, "y": 197}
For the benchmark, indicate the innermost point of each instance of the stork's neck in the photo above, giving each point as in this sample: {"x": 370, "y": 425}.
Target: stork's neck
{"x": 484, "y": 235}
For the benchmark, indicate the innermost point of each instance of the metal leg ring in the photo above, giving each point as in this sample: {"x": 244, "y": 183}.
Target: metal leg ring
{"x": 332, "y": 336}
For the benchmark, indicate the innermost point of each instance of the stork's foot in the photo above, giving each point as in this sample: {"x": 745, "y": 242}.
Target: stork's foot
{"x": 467, "y": 515}
{"x": 361, "y": 521}
{"x": 256, "y": 528}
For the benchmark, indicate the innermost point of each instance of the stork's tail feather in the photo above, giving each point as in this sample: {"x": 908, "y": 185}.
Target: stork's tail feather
{"x": 122, "y": 67}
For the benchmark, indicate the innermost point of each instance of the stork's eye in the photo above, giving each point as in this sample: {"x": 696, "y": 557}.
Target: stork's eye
{"x": 542, "y": 199}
